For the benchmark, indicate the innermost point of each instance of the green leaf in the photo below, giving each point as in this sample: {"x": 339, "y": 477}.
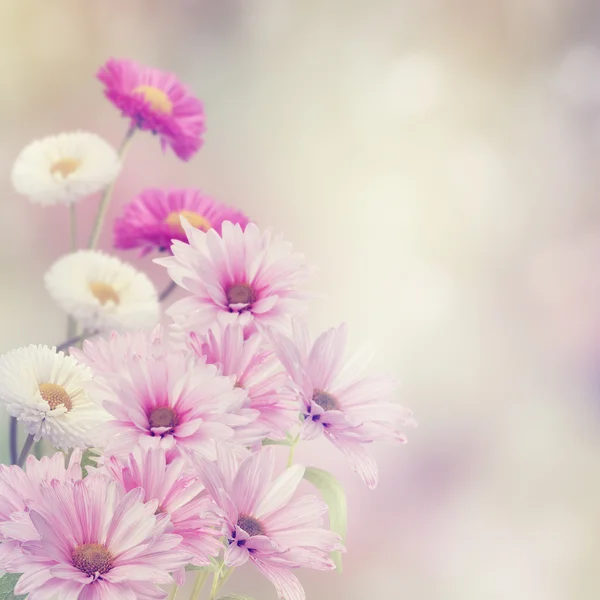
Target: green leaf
{"x": 335, "y": 497}
{"x": 88, "y": 460}
{"x": 7, "y": 587}
{"x": 235, "y": 597}
{"x": 267, "y": 442}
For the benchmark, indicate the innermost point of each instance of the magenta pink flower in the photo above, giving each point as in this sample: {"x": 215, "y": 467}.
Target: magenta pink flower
{"x": 157, "y": 102}
{"x": 264, "y": 524}
{"x": 192, "y": 513}
{"x": 17, "y": 487}
{"x": 96, "y": 543}
{"x": 241, "y": 276}
{"x": 153, "y": 219}
{"x": 350, "y": 410}
{"x": 171, "y": 401}
{"x": 257, "y": 371}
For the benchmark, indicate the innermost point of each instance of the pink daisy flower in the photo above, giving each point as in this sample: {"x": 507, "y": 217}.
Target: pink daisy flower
{"x": 349, "y": 409}
{"x": 257, "y": 371}
{"x": 241, "y": 276}
{"x": 17, "y": 487}
{"x": 180, "y": 496}
{"x": 264, "y": 524}
{"x": 157, "y": 102}
{"x": 97, "y": 543}
{"x": 172, "y": 401}
{"x": 152, "y": 219}
{"x": 107, "y": 355}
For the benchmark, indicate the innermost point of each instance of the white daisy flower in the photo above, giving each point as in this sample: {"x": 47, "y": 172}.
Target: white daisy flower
{"x": 102, "y": 292}
{"x": 50, "y": 394}
{"x": 63, "y": 168}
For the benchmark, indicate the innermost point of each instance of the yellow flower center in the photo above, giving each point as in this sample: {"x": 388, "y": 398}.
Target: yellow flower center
{"x": 158, "y": 100}
{"x": 65, "y": 166}
{"x": 92, "y": 559}
{"x": 194, "y": 219}
{"x": 55, "y": 395}
{"x": 104, "y": 292}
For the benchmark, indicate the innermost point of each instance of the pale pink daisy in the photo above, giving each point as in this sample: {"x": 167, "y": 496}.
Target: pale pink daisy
{"x": 173, "y": 401}
{"x": 17, "y": 487}
{"x": 192, "y": 513}
{"x": 107, "y": 355}
{"x": 258, "y": 371}
{"x": 152, "y": 219}
{"x": 264, "y": 524}
{"x": 352, "y": 411}
{"x": 242, "y": 276}
{"x": 155, "y": 101}
{"x": 97, "y": 543}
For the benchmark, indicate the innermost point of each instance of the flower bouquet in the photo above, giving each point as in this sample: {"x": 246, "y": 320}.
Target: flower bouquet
{"x": 167, "y": 470}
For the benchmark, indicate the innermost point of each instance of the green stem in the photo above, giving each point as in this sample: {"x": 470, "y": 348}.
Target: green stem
{"x": 173, "y": 592}
{"x": 199, "y": 584}
{"x": 215, "y": 585}
{"x": 105, "y": 201}
{"x": 13, "y": 435}
{"x": 293, "y": 451}
{"x": 171, "y": 287}
{"x": 25, "y": 451}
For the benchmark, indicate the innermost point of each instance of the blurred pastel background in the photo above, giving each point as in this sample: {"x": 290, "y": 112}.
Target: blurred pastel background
{"x": 438, "y": 160}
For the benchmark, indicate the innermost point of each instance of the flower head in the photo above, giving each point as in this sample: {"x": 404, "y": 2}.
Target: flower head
{"x": 192, "y": 513}
{"x": 172, "y": 401}
{"x": 152, "y": 219}
{"x": 352, "y": 411}
{"x": 63, "y": 168}
{"x": 50, "y": 393}
{"x": 17, "y": 487}
{"x": 102, "y": 292}
{"x": 264, "y": 524}
{"x": 242, "y": 276}
{"x": 95, "y": 542}
{"x": 258, "y": 371}
{"x": 155, "y": 101}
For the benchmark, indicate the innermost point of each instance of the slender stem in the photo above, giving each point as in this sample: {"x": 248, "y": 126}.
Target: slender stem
{"x": 13, "y": 440}
{"x": 293, "y": 445}
{"x": 215, "y": 585}
{"x": 167, "y": 291}
{"x": 71, "y": 322}
{"x": 173, "y": 592}
{"x": 199, "y": 584}
{"x": 25, "y": 451}
{"x": 78, "y": 338}
{"x": 105, "y": 200}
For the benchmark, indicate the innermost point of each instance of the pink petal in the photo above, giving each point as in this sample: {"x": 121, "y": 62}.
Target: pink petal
{"x": 236, "y": 556}
{"x": 281, "y": 490}
{"x": 286, "y": 583}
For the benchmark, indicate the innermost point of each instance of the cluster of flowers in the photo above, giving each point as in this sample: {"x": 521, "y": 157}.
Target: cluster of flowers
{"x": 181, "y": 424}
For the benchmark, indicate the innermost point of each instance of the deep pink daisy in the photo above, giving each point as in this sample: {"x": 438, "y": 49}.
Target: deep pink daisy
{"x": 264, "y": 524}
{"x": 97, "y": 543}
{"x": 152, "y": 219}
{"x": 172, "y": 401}
{"x": 352, "y": 411}
{"x": 180, "y": 496}
{"x": 242, "y": 276}
{"x": 17, "y": 487}
{"x": 157, "y": 102}
{"x": 258, "y": 371}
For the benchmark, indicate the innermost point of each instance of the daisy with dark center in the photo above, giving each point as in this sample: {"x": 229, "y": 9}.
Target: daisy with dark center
{"x": 155, "y": 101}
{"x": 350, "y": 409}
{"x": 264, "y": 524}
{"x": 171, "y": 400}
{"x": 94, "y": 541}
{"x": 241, "y": 276}
{"x": 51, "y": 394}
{"x": 153, "y": 219}
{"x": 257, "y": 371}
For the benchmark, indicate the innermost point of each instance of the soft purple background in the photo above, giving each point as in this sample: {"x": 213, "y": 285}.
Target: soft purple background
{"x": 438, "y": 161}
